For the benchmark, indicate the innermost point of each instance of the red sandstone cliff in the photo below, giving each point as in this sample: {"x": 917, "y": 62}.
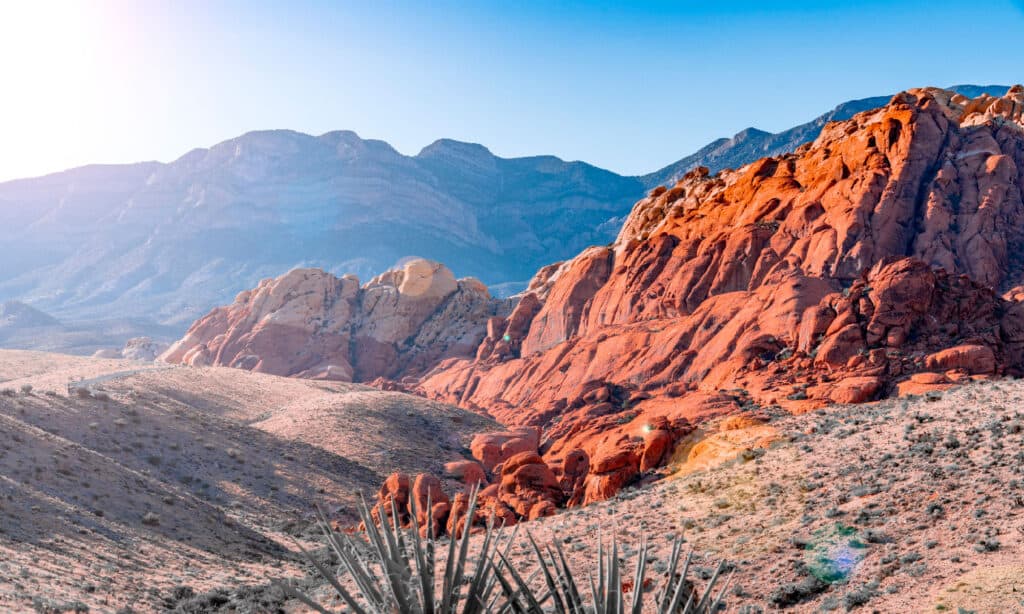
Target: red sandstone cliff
{"x": 882, "y": 256}
{"x": 828, "y": 275}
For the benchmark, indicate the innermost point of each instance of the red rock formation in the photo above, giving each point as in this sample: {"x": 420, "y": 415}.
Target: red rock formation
{"x": 828, "y": 275}
{"x": 492, "y": 449}
{"x": 528, "y": 486}
{"x": 432, "y": 505}
{"x": 392, "y": 499}
{"x": 308, "y": 323}
{"x": 972, "y": 359}
{"x": 470, "y": 473}
{"x": 836, "y": 274}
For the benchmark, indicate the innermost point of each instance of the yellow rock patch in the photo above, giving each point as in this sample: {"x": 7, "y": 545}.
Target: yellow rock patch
{"x": 719, "y": 448}
{"x": 986, "y": 590}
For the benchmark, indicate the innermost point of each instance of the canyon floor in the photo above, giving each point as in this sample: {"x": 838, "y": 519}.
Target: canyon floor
{"x": 911, "y": 504}
{"x": 165, "y": 477}
{"x": 183, "y": 487}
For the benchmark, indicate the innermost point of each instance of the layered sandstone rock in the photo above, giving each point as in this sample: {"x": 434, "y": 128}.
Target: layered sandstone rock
{"x": 833, "y": 274}
{"x": 493, "y": 449}
{"x": 885, "y": 256}
{"x": 309, "y": 323}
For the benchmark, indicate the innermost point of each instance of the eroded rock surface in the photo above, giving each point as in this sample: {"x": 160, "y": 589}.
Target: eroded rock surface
{"x": 309, "y": 323}
{"x": 884, "y": 256}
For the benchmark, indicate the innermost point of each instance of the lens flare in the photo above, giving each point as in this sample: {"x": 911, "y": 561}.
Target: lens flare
{"x": 834, "y": 553}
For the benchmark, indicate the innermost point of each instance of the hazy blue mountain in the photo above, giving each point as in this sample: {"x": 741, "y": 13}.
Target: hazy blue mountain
{"x": 751, "y": 144}
{"x": 18, "y": 315}
{"x": 25, "y": 327}
{"x": 169, "y": 241}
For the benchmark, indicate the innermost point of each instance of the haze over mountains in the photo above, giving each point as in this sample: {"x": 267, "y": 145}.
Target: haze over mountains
{"x": 159, "y": 244}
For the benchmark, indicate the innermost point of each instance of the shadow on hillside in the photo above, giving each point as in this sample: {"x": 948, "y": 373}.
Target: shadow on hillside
{"x": 117, "y": 470}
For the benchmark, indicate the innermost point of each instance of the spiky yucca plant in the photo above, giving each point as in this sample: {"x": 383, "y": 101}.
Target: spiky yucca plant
{"x": 608, "y": 595}
{"x": 401, "y": 575}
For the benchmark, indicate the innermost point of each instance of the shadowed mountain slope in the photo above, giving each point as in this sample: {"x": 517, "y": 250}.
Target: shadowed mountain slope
{"x": 160, "y": 477}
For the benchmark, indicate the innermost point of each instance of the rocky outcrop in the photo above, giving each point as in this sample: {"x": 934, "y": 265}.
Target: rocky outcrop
{"x": 883, "y": 257}
{"x": 518, "y": 485}
{"x": 141, "y": 349}
{"x": 835, "y": 274}
{"x": 493, "y": 449}
{"x": 309, "y": 323}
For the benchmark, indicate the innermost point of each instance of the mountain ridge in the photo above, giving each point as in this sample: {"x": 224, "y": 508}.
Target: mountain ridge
{"x": 168, "y": 241}
{"x": 728, "y": 152}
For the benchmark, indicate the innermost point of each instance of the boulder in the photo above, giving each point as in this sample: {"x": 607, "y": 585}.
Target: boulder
{"x": 572, "y": 472}
{"x": 856, "y": 389}
{"x": 974, "y": 359}
{"x": 392, "y": 498}
{"x": 657, "y": 446}
{"x": 470, "y": 473}
{"x": 432, "y": 505}
{"x": 492, "y": 449}
{"x": 525, "y": 481}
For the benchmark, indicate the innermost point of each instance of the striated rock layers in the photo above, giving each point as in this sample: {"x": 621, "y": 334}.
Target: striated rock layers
{"x": 869, "y": 258}
{"x": 309, "y": 323}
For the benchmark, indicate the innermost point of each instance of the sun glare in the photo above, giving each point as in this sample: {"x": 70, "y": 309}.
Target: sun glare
{"x": 49, "y": 52}
{"x": 45, "y": 42}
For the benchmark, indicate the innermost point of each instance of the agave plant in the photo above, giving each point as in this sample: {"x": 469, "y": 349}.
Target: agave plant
{"x": 402, "y": 575}
{"x": 609, "y": 594}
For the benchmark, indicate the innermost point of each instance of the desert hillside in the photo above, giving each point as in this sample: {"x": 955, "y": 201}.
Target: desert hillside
{"x": 166, "y": 476}
{"x": 911, "y": 504}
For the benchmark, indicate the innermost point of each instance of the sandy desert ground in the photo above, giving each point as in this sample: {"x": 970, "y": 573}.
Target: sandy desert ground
{"x": 172, "y": 477}
{"x": 905, "y": 505}
{"x": 182, "y": 487}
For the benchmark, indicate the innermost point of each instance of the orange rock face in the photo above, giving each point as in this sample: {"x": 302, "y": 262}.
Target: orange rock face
{"x": 470, "y": 473}
{"x": 891, "y": 246}
{"x": 393, "y": 500}
{"x": 830, "y": 275}
{"x": 492, "y": 449}
{"x": 973, "y": 359}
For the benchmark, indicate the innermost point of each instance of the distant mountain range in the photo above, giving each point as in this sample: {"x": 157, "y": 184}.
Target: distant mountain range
{"x": 168, "y": 241}
{"x": 751, "y": 144}
{"x": 25, "y": 327}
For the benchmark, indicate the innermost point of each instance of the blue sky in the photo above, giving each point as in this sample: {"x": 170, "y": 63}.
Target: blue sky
{"x": 627, "y": 86}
